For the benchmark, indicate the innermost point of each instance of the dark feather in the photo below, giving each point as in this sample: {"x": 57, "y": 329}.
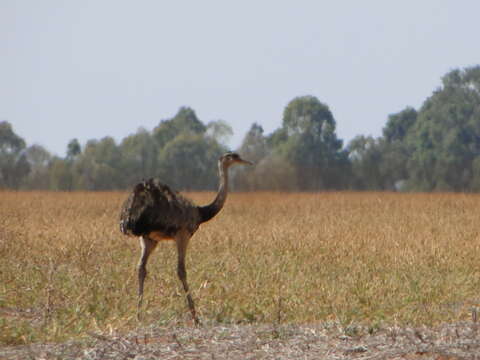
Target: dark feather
{"x": 154, "y": 207}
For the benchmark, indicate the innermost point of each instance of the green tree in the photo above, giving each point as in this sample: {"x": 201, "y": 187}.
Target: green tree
{"x": 446, "y": 135}
{"x": 395, "y": 149}
{"x": 399, "y": 124}
{"x": 254, "y": 148}
{"x": 312, "y": 146}
{"x": 14, "y": 166}
{"x": 277, "y": 138}
{"x": 219, "y": 131}
{"x": 10, "y": 143}
{"x": 61, "y": 177}
{"x": 99, "y": 166}
{"x": 185, "y": 121}
{"x": 188, "y": 150}
{"x": 475, "y": 184}
{"x": 139, "y": 157}
{"x": 276, "y": 173}
{"x": 73, "y": 149}
{"x": 39, "y": 160}
{"x": 366, "y": 156}
{"x": 189, "y": 162}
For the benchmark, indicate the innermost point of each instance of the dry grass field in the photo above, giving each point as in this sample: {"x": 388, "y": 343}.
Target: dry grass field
{"x": 351, "y": 258}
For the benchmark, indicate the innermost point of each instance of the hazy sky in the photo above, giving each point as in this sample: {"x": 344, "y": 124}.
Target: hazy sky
{"x": 91, "y": 68}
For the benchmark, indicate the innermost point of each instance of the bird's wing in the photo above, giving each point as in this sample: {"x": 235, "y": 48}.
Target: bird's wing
{"x": 153, "y": 206}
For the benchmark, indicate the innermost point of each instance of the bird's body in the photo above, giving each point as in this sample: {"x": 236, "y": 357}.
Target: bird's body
{"x": 155, "y": 213}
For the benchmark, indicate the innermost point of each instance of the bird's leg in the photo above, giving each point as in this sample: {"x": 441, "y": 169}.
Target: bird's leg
{"x": 182, "y": 243}
{"x": 148, "y": 245}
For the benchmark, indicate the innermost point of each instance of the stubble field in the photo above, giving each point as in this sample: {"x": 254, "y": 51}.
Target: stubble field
{"x": 351, "y": 258}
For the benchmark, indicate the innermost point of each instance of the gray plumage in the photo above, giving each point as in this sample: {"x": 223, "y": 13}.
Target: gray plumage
{"x": 154, "y": 213}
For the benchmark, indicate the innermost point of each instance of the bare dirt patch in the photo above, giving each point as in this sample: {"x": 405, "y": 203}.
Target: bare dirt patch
{"x": 446, "y": 342}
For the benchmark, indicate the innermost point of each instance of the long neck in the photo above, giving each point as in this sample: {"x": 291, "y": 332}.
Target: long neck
{"x": 209, "y": 211}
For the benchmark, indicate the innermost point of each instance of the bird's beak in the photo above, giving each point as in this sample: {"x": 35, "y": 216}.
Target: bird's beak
{"x": 241, "y": 161}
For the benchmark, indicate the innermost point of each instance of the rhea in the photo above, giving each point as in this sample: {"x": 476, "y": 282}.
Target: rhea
{"x": 156, "y": 213}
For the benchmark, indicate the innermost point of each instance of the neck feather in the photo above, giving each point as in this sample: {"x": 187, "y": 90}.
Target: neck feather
{"x": 209, "y": 211}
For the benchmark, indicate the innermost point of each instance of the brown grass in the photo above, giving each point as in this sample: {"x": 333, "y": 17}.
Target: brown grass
{"x": 366, "y": 258}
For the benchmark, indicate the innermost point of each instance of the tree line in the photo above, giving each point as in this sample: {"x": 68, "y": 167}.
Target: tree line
{"x": 433, "y": 148}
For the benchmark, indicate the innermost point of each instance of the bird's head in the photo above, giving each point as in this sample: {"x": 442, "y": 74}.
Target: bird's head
{"x": 232, "y": 158}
